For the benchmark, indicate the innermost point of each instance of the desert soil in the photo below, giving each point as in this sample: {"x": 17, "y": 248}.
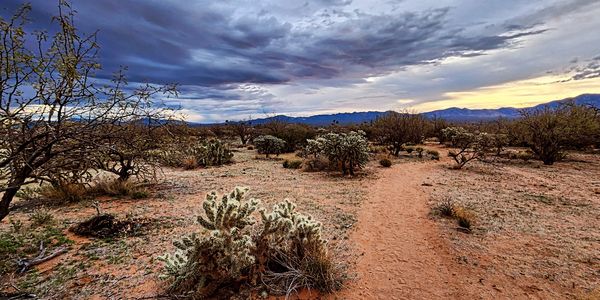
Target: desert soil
{"x": 536, "y": 234}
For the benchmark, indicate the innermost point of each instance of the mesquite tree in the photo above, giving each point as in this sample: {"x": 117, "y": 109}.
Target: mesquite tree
{"x": 396, "y": 129}
{"x": 243, "y": 129}
{"x": 550, "y": 131}
{"x": 53, "y": 111}
{"x": 470, "y": 146}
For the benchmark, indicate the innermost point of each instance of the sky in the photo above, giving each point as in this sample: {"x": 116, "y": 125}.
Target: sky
{"x": 239, "y": 59}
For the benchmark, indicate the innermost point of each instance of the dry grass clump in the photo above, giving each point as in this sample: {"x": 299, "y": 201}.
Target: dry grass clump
{"x": 434, "y": 154}
{"x": 62, "y": 193}
{"x": 118, "y": 188}
{"x": 464, "y": 217}
{"x": 189, "y": 163}
{"x": 316, "y": 165}
{"x": 292, "y": 163}
{"x": 448, "y": 209}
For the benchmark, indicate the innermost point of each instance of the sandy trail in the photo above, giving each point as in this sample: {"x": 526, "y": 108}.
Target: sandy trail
{"x": 401, "y": 253}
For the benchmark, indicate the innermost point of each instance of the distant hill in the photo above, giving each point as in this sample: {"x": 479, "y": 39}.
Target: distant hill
{"x": 450, "y": 114}
{"x": 465, "y": 114}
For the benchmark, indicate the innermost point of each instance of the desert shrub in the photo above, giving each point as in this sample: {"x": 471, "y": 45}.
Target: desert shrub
{"x": 268, "y": 144}
{"x": 65, "y": 117}
{"x": 41, "y": 217}
{"x": 139, "y": 194}
{"x": 419, "y": 151}
{"x": 236, "y": 251}
{"x": 243, "y": 129}
{"x": 471, "y": 146}
{"x": 348, "y": 150}
{"x": 499, "y": 142}
{"x": 292, "y": 164}
{"x": 295, "y": 136}
{"x": 398, "y": 128}
{"x": 524, "y": 155}
{"x": 386, "y": 163}
{"x": 434, "y": 154}
{"x": 550, "y": 131}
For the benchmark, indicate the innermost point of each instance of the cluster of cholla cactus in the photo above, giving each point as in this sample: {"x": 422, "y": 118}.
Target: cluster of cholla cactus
{"x": 348, "y": 150}
{"x": 235, "y": 249}
{"x": 213, "y": 153}
{"x": 268, "y": 144}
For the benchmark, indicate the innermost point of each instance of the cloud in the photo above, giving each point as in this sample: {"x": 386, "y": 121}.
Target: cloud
{"x": 254, "y": 56}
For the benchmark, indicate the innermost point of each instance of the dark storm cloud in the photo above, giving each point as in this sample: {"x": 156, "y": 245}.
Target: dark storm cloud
{"x": 168, "y": 41}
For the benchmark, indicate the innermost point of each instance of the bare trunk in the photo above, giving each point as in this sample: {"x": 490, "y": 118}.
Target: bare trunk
{"x": 9, "y": 195}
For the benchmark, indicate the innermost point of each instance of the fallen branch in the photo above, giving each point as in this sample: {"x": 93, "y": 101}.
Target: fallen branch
{"x": 24, "y": 264}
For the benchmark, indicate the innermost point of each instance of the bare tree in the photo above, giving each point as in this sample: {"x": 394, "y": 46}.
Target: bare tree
{"x": 243, "y": 129}
{"x": 53, "y": 111}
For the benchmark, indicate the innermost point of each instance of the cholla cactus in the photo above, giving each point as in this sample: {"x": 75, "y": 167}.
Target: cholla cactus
{"x": 230, "y": 253}
{"x": 268, "y": 144}
{"x": 211, "y": 153}
{"x": 214, "y": 153}
{"x": 231, "y": 212}
{"x": 349, "y": 150}
{"x": 201, "y": 264}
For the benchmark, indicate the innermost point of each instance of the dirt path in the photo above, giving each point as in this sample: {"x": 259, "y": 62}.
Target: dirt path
{"x": 402, "y": 255}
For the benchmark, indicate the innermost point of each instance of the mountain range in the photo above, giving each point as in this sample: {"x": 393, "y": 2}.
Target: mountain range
{"x": 454, "y": 114}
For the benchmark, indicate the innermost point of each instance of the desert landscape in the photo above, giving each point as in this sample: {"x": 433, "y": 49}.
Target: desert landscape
{"x": 114, "y": 190}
